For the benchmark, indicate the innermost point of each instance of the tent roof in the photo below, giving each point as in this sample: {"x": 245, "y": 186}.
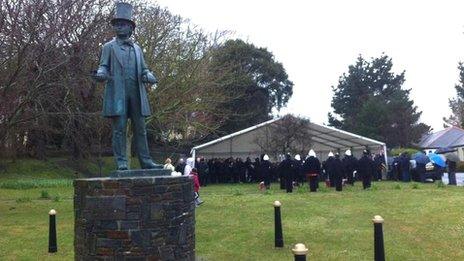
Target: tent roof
{"x": 324, "y": 135}
{"x": 449, "y": 137}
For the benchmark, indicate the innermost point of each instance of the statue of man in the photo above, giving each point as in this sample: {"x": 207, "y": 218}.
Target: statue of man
{"x": 123, "y": 68}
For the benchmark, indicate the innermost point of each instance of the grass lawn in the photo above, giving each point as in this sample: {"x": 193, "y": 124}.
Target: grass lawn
{"x": 422, "y": 222}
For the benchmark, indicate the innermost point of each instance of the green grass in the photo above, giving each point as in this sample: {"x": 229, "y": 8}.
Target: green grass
{"x": 31, "y": 170}
{"x": 35, "y": 169}
{"x": 34, "y": 183}
{"x": 236, "y": 222}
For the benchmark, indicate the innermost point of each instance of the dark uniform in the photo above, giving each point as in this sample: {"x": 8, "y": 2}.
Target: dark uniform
{"x": 366, "y": 169}
{"x": 334, "y": 168}
{"x": 312, "y": 169}
{"x": 203, "y": 170}
{"x": 328, "y": 175}
{"x": 379, "y": 160}
{"x": 405, "y": 167}
{"x": 180, "y": 166}
{"x": 349, "y": 166}
{"x": 265, "y": 172}
{"x": 451, "y": 172}
{"x": 286, "y": 170}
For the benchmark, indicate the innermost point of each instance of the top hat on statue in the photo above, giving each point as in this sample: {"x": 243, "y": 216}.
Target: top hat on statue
{"x": 123, "y": 12}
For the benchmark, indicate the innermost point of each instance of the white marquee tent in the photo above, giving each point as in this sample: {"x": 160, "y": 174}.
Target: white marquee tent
{"x": 323, "y": 138}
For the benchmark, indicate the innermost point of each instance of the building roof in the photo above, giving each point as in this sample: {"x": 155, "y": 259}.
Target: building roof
{"x": 449, "y": 137}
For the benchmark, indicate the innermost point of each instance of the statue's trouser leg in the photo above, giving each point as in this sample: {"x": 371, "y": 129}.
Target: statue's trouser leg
{"x": 138, "y": 125}
{"x": 119, "y": 125}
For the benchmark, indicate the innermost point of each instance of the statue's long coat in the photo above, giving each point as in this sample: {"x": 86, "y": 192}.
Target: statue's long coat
{"x": 112, "y": 65}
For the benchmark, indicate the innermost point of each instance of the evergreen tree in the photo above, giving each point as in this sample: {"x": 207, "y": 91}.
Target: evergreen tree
{"x": 457, "y": 104}
{"x": 258, "y": 83}
{"x": 369, "y": 100}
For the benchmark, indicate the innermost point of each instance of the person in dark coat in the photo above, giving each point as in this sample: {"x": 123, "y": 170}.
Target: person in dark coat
{"x": 366, "y": 169}
{"x": 327, "y": 166}
{"x": 211, "y": 171}
{"x": 281, "y": 175}
{"x": 451, "y": 172}
{"x": 379, "y": 161}
{"x": 286, "y": 170}
{"x": 312, "y": 170}
{"x": 257, "y": 166}
{"x": 203, "y": 170}
{"x": 334, "y": 168}
{"x": 298, "y": 173}
{"x": 396, "y": 169}
{"x": 405, "y": 167}
{"x": 349, "y": 166}
{"x": 249, "y": 170}
{"x": 242, "y": 172}
{"x": 180, "y": 166}
{"x": 265, "y": 171}
{"x": 420, "y": 170}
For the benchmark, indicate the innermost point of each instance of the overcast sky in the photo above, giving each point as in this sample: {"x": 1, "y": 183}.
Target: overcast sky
{"x": 316, "y": 41}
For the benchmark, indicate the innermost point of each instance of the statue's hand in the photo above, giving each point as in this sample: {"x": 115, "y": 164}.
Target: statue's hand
{"x": 148, "y": 77}
{"x": 100, "y": 77}
{"x": 144, "y": 78}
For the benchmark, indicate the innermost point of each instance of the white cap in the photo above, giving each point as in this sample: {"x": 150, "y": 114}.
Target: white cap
{"x": 331, "y": 154}
{"x": 297, "y": 157}
{"x": 312, "y": 153}
{"x": 348, "y": 152}
{"x": 265, "y": 157}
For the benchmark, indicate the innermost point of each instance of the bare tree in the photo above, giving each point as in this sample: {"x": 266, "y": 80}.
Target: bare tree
{"x": 289, "y": 134}
{"x": 48, "y": 49}
{"x": 44, "y": 86}
{"x": 187, "y": 103}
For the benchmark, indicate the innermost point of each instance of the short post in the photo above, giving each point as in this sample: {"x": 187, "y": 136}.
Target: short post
{"x": 379, "y": 250}
{"x": 52, "y": 246}
{"x": 279, "y": 240}
{"x": 300, "y": 251}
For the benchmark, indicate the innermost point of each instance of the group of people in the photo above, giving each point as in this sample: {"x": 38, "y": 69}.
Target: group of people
{"x": 406, "y": 168}
{"x": 335, "y": 171}
{"x": 290, "y": 172}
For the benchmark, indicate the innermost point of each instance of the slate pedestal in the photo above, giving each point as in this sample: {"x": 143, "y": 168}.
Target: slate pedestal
{"x": 134, "y": 218}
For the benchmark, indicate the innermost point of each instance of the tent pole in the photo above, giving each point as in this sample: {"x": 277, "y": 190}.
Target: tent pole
{"x": 194, "y": 158}
{"x": 386, "y": 157}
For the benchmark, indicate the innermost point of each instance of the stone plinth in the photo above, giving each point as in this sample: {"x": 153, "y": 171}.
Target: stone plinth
{"x": 134, "y": 218}
{"x": 139, "y": 173}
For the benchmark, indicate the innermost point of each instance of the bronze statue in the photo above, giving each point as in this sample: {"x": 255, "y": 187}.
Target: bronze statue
{"x": 123, "y": 68}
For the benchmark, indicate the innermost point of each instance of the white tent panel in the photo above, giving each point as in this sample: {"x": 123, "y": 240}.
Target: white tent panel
{"x": 324, "y": 139}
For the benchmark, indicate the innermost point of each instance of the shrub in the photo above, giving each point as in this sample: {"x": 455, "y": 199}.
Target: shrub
{"x": 398, "y": 151}
{"x": 415, "y": 186}
{"x": 322, "y": 187}
{"x": 56, "y": 198}
{"x": 397, "y": 186}
{"x": 302, "y": 189}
